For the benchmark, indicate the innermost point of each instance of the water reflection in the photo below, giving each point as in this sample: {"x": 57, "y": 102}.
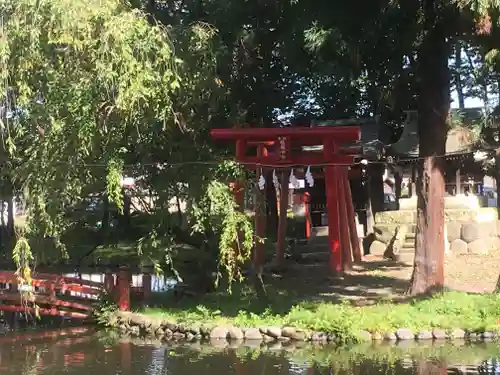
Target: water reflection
{"x": 158, "y": 284}
{"x": 81, "y": 351}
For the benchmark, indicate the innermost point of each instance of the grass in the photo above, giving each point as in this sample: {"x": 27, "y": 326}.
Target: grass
{"x": 477, "y": 312}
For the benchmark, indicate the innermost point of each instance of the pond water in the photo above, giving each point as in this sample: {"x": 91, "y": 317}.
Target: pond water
{"x": 158, "y": 284}
{"x": 80, "y": 351}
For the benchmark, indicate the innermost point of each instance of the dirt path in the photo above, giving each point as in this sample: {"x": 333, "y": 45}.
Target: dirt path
{"x": 377, "y": 279}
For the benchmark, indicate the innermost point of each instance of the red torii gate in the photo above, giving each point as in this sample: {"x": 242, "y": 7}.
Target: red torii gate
{"x": 342, "y": 233}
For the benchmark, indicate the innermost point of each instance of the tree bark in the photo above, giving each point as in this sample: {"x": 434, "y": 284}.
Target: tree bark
{"x": 398, "y": 180}
{"x": 458, "y": 76}
{"x": 105, "y": 215}
{"x": 497, "y": 181}
{"x": 376, "y": 187}
{"x": 434, "y": 106}
{"x": 127, "y": 202}
{"x": 10, "y": 213}
{"x": 369, "y": 216}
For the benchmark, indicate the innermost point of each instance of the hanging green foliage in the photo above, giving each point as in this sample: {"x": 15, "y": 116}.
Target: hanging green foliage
{"x": 99, "y": 91}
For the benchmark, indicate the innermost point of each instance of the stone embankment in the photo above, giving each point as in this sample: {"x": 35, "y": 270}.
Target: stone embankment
{"x": 461, "y": 238}
{"x": 137, "y": 325}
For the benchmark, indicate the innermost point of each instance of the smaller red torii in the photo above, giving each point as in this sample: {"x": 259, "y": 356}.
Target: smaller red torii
{"x": 275, "y": 148}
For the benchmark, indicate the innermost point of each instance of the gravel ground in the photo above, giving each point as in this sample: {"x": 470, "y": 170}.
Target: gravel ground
{"x": 472, "y": 273}
{"x": 377, "y": 279}
{"x": 467, "y": 273}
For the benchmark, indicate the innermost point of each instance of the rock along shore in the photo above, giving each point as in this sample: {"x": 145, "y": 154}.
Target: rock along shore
{"x": 137, "y": 325}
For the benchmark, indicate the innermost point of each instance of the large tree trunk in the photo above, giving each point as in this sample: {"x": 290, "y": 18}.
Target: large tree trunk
{"x": 11, "y": 216}
{"x": 434, "y": 105}
{"x": 376, "y": 187}
{"x": 497, "y": 183}
{"x": 497, "y": 180}
{"x": 458, "y": 76}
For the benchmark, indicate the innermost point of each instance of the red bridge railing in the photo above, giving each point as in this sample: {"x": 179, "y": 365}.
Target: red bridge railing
{"x": 53, "y": 295}
{"x": 72, "y": 297}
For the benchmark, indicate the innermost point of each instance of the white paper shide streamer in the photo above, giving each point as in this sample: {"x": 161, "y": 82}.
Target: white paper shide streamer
{"x": 293, "y": 180}
{"x": 276, "y": 182}
{"x": 309, "y": 177}
{"x": 262, "y": 181}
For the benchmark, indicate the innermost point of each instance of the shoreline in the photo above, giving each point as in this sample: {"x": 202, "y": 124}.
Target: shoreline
{"x": 150, "y": 327}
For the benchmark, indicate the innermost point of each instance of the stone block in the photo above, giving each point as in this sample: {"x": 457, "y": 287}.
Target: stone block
{"x": 364, "y": 336}
{"x": 470, "y": 214}
{"x": 320, "y": 337}
{"x": 397, "y": 242}
{"x": 424, "y": 335}
{"x": 453, "y": 230}
{"x": 489, "y": 228}
{"x": 253, "y": 334}
{"x": 219, "y": 333}
{"x": 405, "y": 334}
{"x": 472, "y": 231}
{"x": 481, "y": 246}
{"x": 488, "y": 335}
{"x": 140, "y": 321}
{"x": 396, "y": 217}
{"x": 384, "y": 233}
{"x": 235, "y": 333}
{"x": 458, "y": 247}
{"x": 293, "y": 334}
{"x": 495, "y": 244}
{"x": 463, "y": 215}
{"x": 274, "y": 332}
{"x": 390, "y": 336}
{"x": 439, "y": 334}
{"x": 446, "y": 242}
{"x": 456, "y": 333}
{"x": 377, "y": 248}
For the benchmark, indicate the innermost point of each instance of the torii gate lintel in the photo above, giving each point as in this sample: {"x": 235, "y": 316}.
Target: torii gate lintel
{"x": 274, "y": 150}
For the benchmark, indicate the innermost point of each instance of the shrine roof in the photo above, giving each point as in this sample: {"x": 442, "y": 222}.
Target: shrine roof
{"x": 372, "y": 136}
{"x": 461, "y": 138}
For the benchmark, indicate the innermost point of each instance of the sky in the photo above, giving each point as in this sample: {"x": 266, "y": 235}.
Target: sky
{"x": 469, "y": 102}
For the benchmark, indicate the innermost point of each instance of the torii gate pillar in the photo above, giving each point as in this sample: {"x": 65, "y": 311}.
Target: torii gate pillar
{"x": 335, "y": 165}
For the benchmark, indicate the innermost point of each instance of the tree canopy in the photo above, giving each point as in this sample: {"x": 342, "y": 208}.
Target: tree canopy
{"x": 95, "y": 91}
{"x": 92, "y": 91}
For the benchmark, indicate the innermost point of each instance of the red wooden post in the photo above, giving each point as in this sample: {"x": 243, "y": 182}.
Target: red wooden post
{"x": 282, "y": 219}
{"x": 282, "y": 155}
{"x": 123, "y": 284}
{"x": 260, "y": 218}
{"x": 307, "y": 200}
{"x": 52, "y": 297}
{"x": 351, "y": 220}
{"x": 238, "y": 186}
{"x": 331, "y": 137}
{"x": 109, "y": 281}
{"x": 345, "y": 242}
{"x": 332, "y": 204}
{"x": 332, "y": 207}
